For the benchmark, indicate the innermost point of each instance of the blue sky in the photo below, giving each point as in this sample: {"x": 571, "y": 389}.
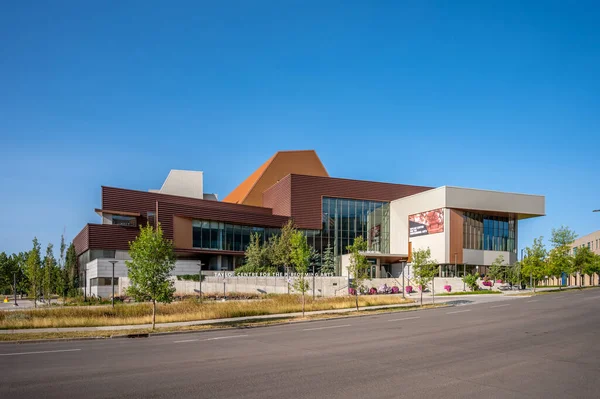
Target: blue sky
{"x": 502, "y": 95}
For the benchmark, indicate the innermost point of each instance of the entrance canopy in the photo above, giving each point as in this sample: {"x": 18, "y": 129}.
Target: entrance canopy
{"x": 386, "y": 258}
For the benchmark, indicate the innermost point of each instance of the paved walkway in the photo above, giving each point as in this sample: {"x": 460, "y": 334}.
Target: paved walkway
{"x": 427, "y": 299}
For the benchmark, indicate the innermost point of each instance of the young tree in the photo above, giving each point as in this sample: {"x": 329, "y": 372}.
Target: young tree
{"x": 513, "y": 274}
{"x": 584, "y": 261}
{"x": 359, "y": 266}
{"x": 560, "y": 259}
{"x": 471, "y": 281}
{"x": 496, "y": 270}
{"x": 33, "y": 270}
{"x": 6, "y": 269}
{"x": 300, "y": 258}
{"x": 152, "y": 261}
{"x": 328, "y": 265}
{"x": 48, "y": 273}
{"x": 534, "y": 264}
{"x": 424, "y": 268}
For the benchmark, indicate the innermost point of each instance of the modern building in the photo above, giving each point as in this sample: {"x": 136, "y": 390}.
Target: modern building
{"x": 465, "y": 229}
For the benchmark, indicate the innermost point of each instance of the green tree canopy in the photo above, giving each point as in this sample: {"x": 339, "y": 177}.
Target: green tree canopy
{"x": 424, "y": 268}
{"x": 560, "y": 259}
{"x": 150, "y": 267}
{"x": 359, "y": 266}
{"x": 534, "y": 264}
{"x": 583, "y": 261}
{"x": 496, "y": 269}
{"x": 300, "y": 259}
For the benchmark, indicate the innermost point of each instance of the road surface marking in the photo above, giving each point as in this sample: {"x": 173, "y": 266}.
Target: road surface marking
{"x": 227, "y": 337}
{"x": 533, "y": 300}
{"x": 324, "y": 328}
{"x": 38, "y": 352}
{"x": 499, "y": 306}
{"x": 459, "y": 311}
{"x": 185, "y": 340}
{"x": 406, "y": 318}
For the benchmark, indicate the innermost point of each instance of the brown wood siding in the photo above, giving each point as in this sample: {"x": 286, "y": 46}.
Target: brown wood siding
{"x": 182, "y": 233}
{"x": 140, "y": 201}
{"x": 279, "y": 197}
{"x": 307, "y": 193}
{"x": 456, "y": 237}
{"x": 167, "y": 211}
{"x": 81, "y": 242}
{"x": 111, "y": 236}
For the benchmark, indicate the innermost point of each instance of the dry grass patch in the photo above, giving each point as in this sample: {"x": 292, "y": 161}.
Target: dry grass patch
{"x": 188, "y": 310}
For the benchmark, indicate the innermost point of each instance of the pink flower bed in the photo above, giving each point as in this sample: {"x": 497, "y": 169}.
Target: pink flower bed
{"x": 408, "y": 289}
{"x": 448, "y": 288}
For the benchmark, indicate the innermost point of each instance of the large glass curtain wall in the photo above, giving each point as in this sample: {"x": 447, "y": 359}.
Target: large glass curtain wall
{"x": 229, "y": 237}
{"x": 490, "y": 233}
{"x": 346, "y": 219}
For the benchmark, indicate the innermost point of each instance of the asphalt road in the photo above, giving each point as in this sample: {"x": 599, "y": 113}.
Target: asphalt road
{"x": 542, "y": 347}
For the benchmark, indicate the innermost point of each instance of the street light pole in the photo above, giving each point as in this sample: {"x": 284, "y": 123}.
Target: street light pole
{"x": 313, "y": 265}
{"x": 15, "y": 285}
{"x": 112, "y": 282}
{"x": 200, "y": 264}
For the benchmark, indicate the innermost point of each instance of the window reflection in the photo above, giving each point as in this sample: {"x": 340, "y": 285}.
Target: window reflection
{"x": 490, "y": 233}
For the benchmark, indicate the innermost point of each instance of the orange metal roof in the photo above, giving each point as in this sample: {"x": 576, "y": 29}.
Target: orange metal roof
{"x": 283, "y": 163}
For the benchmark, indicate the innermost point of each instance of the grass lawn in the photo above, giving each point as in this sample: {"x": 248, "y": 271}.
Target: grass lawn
{"x": 188, "y": 310}
{"x": 480, "y": 292}
{"x": 210, "y": 327}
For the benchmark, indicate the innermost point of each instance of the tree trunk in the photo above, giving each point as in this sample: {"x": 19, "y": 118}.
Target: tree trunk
{"x": 356, "y": 297}
{"x": 153, "y": 313}
{"x": 303, "y": 301}
{"x": 433, "y": 291}
{"x": 421, "y": 295}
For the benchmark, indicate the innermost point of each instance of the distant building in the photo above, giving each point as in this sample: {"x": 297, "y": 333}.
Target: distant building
{"x": 592, "y": 241}
{"x": 466, "y": 229}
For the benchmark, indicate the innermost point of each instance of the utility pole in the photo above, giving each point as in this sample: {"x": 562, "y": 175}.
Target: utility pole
{"x": 85, "y": 282}
{"x": 112, "y": 282}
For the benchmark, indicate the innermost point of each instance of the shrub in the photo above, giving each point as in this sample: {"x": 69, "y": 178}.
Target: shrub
{"x": 373, "y": 291}
{"x": 448, "y": 288}
{"x": 409, "y": 289}
{"x": 351, "y": 291}
{"x": 422, "y": 288}
{"x": 384, "y": 289}
{"x": 487, "y": 283}
{"x": 395, "y": 290}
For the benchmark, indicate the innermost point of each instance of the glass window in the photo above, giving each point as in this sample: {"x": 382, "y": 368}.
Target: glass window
{"x": 124, "y": 220}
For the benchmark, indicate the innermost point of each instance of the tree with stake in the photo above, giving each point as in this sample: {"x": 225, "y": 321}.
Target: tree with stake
{"x": 150, "y": 267}
{"x": 33, "y": 270}
{"x": 300, "y": 258}
{"x": 424, "y": 268}
{"x": 359, "y": 265}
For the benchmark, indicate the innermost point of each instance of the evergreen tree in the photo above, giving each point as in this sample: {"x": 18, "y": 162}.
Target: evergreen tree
{"x": 328, "y": 265}
{"x": 282, "y": 248}
{"x": 72, "y": 271}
